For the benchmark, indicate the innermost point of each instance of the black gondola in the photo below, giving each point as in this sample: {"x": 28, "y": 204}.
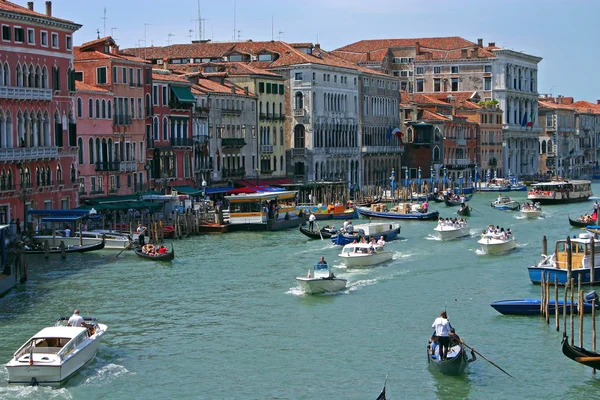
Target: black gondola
{"x": 315, "y": 234}
{"x": 39, "y": 249}
{"x": 455, "y": 364}
{"x": 464, "y": 211}
{"x": 579, "y": 354}
{"x": 454, "y": 203}
{"x": 160, "y": 257}
{"x": 579, "y": 224}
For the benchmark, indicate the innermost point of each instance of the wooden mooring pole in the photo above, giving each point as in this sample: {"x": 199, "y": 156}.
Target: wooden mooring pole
{"x": 580, "y": 309}
{"x": 544, "y": 245}
{"x": 572, "y": 299}
{"x": 556, "y": 303}
{"x": 543, "y": 296}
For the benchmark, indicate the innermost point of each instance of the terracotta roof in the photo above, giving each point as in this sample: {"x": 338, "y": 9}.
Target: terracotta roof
{"x": 550, "y": 105}
{"x": 167, "y": 76}
{"x": 432, "y": 116}
{"x": 472, "y": 53}
{"x": 87, "y": 52}
{"x": 84, "y": 87}
{"x": 465, "y": 100}
{"x": 192, "y": 50}
{"x": 420, "y": 98}
{"x": 17, "y": 9}
{"x": 209, "y": 86}
{"x": 586, "y": 107}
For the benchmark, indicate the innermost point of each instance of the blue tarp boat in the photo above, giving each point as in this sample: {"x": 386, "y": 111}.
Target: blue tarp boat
{"x": 532, "y": 306}
{"x": 389, "y": 231}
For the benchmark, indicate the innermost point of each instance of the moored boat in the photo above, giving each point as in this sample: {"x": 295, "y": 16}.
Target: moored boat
{"x": 533, "y": 306}
{"x": 149, "y": 253}
{"x": 554, "y": 266}
{"x": 560, "y": 192}
{"x": 406, "y": 211}
{"x": 595, "y": 229}
{"x": 38, "y": 248}
{"x": 212, "y": 227}
{"x": 332, "y": 211}
{"x": 579, "y": 354}
{"x": 55, "y": 353}
{"x": 113, "y": 241}
{"x": 450, "y": 231}
{"x": 364, "y": 254}
{"x": 505, "y": 203}
{"x": 497, "y": 244}
{"x": 321, "y": 280}
{"x": 495, "y": 185}
{"x": 247, "y": 211}
{"x": 389, "y": 231}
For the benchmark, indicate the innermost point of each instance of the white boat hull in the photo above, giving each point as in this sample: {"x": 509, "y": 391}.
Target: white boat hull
{"x": 365, "y": 260}
{"x": 451, "y": 233}
{"x": 531, "y": 213}
{"x": 49, "y": 369}
{"x": 497, "y": 246}
{"x": 110, "y": 243}
{"x": 321, "y": 285}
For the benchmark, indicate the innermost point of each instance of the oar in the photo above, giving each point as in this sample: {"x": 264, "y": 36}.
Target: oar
{"x": 320, "y": 234}
{"x": 476, "y": 210}
{"x": 126, "y": 248}
{"x": 587, "y": 359}
{"x": 491, "y": 362}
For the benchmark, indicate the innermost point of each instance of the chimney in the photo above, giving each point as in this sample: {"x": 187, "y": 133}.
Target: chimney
{"x": 479, "y": 42}
{"x": 233, "y": 89}
{"x": 464, "y": 53}
{"x": 492, "y": 44}
{"x": 49, "y": 8}
{"x": 368, "y": 56}
{"x": 246, "y": 90}
{"x": 317, "y": 46}
{"x": 30, "y": 5}
{"x": 597, "y": 101}
{"x": 418, "y": 48}
{"x": 114, "y": 50}
{"x": 166, "y": 64}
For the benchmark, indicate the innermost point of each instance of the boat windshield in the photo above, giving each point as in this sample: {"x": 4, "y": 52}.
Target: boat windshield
{"x": 51, "y": 345}
{"x": 321, "y": 267}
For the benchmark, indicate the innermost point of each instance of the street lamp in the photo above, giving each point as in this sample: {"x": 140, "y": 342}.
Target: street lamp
{"x": 445, "y": 178}
{"x": 419, "y": 180}
{"x": 476, "y": 176}
{"x": 431, "y": 179}
{"x": 393, "y": 181}
{"x": 203, "y": 188}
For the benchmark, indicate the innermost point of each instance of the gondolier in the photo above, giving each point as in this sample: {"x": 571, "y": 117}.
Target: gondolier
{"x": 442, "y": 332}
{"x": 311, "y": 221}
{"x": 140, "y": 231}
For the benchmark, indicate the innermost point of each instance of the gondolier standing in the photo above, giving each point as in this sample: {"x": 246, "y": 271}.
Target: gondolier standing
{"x": 140, "y": 231}
{"x": 311, "y": 221}
{"x": 442, "y": 332}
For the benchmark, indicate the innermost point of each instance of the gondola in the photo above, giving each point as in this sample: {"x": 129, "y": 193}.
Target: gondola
{"x": 579, "y": 224}
{"x": 163, "y": 257}
{"x": 579, "y": 354}
{"x": 464, "y": 211}
{"x": 438, "y": 199}
{"x": 454, "y": 203}
{"x": 39, "y": 249}
{"x": 315, "y": 234}
{"x": 454, "y": 365}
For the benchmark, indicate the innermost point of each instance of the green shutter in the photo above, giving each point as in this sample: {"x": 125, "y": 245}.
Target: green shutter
{"x": 280, "y": 89}
{"x": 268, "y": 88}
{"x": 261, "y": 87}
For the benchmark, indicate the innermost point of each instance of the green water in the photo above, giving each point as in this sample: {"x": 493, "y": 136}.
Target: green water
{"x": 226, "y": 320}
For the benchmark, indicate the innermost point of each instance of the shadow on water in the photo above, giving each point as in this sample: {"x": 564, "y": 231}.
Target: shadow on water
{"x": 451, "y": 387}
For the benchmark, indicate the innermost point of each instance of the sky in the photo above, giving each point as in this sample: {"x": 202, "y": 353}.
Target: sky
{"x": 561, "y": 32}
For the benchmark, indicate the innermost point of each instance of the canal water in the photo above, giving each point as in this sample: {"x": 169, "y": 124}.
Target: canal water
{"x": 226, "y": 320}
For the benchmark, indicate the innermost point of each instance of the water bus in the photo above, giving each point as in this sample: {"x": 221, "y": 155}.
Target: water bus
{"x": 560, "y": 192}
{"x": 269, "y": 211}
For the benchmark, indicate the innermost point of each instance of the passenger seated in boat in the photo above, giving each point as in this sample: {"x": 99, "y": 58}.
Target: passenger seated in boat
{"x": 381, "y": 241}
{"x": 162, "y": 250}
{"x": 454, "y": 338}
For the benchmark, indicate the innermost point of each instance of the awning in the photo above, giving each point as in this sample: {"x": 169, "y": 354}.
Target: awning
{"x": 241, "y": 190}
{"x": 65, "y": 218}
{"x": 187, "y": 190}
{"x": 122, "y": 205}
{"x": 56, "y": 213}
{"x": 183, "y": 94}
{"x": 215, "y": 190}
{"x": 264, "y": 182}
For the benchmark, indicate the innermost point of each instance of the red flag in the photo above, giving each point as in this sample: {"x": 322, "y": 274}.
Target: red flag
{"x": 31, "y": 356}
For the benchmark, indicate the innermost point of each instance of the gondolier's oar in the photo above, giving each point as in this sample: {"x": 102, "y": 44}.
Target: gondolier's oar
{"x": 475, "y": 210}
{"x": 319, "y": 229}
{"x": 491, "y": 362}
{"x": 126, "y": 248}
{"x": 587, "y": 359}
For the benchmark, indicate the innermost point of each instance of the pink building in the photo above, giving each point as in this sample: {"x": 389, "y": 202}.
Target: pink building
{"x": 37, "y": 125}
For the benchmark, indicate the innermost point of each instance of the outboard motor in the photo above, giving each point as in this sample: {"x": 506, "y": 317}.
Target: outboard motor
{"x": 592, "y": 297}
{"x": 34, "y": 382}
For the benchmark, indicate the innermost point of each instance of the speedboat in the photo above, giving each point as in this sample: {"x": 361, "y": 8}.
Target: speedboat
{"x": 55, "y": 353}
{"x": 364, "y": 254}
{"x": 505, "y": 203}
{"x": 450, "y": 231}
{"x": 376, "y": 230}
{"x": 533, "y": 211}
{"x": 497, "y": 244}
{"x": 321, "y": 280}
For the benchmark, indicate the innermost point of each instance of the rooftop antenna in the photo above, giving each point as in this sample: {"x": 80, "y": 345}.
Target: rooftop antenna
{"x": 104, "y": 18}
{"x": 98, "y": 33}
{"x": 169, "y": 38}
{"x": 199, "y": 22}
{"x": 271, "y": 28}
{"x": 239, "y": 35}
{"x": 145, "y": 42}
{"x": 234, "y": 7}
{"x": 203, "y": 34}
{"x": 112, "y": 32}
{"x": 280, "y": 35}
{"x": 190, "y": 34}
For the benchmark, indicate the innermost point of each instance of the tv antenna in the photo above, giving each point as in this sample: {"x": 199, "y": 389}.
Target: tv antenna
{"x": 279, "y": 35}
{"x": 112, "y": 32}
{"x": 104, "y": 18}
{"x": 169, "y": 38}
{"x": 190, "y": 34}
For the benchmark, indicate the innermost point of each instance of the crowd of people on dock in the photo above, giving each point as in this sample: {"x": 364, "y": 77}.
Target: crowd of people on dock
{"x": 453, "y": 222}
{"x": 496, "y": 232}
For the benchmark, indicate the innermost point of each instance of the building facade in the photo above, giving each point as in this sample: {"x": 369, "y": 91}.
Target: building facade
{"x": 37, "y": 125}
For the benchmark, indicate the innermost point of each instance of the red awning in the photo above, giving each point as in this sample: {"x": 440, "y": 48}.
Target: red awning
{"x": 264, "y": 182}
{"x": 241, "y": 190}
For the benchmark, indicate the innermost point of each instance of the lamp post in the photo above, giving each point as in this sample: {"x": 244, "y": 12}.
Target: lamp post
{"x": 418, "y": 181}
{"x": 393, "y": 181}
{"x": 445, "y": 177}
{"x": 203, "y": 188}
{"x": 431, "y": 179}
{"x": 476, "y": 176}
{"x": 460, "y": 183}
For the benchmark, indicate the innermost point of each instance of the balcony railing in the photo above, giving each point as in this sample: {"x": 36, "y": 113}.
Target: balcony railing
{"x": 299, "y": 152}
{"x": 231, "y": 111}
{"x": 233, "y": 142}
{"x": 461, "y": 142}
{"x": 59, "y": 182}
{"x": 460, "y": 161}
{"x": 21, "y": 93}
{"x": 382, "y": 149}
{"x": 96, "y": 191}
{"x": 107, "y": 166}
{"x": 299, "y": 112}
{"x": 201, "y": 138}
{"x": 28, "y": 153}
{"x": 342, "y": 150}
{"x": 233, "y": 172}
{"x": 266, "y": 148}
{"x": 182, "y": 142}
{"x": 122, "y": 119}
{"x": 112, "y": 190}
{"x": 127, "y": 166}
{"x": 262, "y": 116}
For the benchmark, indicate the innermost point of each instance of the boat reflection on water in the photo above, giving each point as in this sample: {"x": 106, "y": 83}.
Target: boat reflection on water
{"x": 451, "y": 387}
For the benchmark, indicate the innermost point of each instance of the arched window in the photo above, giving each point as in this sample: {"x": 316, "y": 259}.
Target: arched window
{"x": 80, "y": 150}
{"x": 79, "y": 108}
{"x": 38, "y": 77}
{"x": 9, "y": 180}
{"x": 31, "y": 77}
{"x": 45, "y": 84}
{"x": 59, "y": 173}
{"x": 109, "y": 109}
{"x": 90, "y": 108}
{"x": 281, "y": 109}
{"x": 436, "y": 153}
{"x": 186, "y": 165}
{"x": 165, "y": 130}
{"x": 299, "y": 131}
{"x": 91, "y": 150}
{"x": 73, "y": 173}
{"x": 103, "y": 108}
{"x": 155, "y": 132}
{"x": 298, "y": 101}
{"x": 97, "y": 108}
{"x": 281, "y": 136}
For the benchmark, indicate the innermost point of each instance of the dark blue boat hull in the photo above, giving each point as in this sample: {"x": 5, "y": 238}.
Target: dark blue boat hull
{"x": 532, "y": 306}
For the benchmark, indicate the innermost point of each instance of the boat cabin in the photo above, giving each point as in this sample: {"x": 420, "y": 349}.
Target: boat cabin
{"x": 257, "y": 208}
{"x": 374, "y": 229}
{"x": 580, "y": 252}
{"x": 503, "y": 200}
{"x": 54, "y": 340}
{"x": 362, "y": 248}
{"x": 321, "y": 271}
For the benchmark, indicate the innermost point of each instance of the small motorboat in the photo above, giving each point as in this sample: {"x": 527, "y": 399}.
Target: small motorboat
{"x": 595, "y": 229}
{"x": 408, "y": 211}
{"x": 168, "y": 231}
{"x": 148, "y": 252}
{"x": 324, "y": 233}
{"x": 532, "y": 306}
{"x": 113, "y": 241}
{"x": 364, "y": 254}
{"x": 321, "y": 280}
{"x": 497, "y": 244}
{"x": 505, "y": 203}
{"x": 456, "y": 360}
{"x": 464, "y": 210}
{"x": 531, "y": 211}
{"x": 55, "y": 353}
{"x": 212, "y": 227}
{"x": 389, "y": 231}
{"x": 449, "y": 231}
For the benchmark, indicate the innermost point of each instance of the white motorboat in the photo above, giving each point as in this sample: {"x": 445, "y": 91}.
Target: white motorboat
{"x": 364, "y": 254}
{"x": 505, "y": 203}
{"x": 531, "y": 211}
{"x": 55, "y": 353}
{"x": 497, "y": 244}
{"x": 450, "y": 231}
{"x": 113, "y": 241}
{"x": 321, "y": 280}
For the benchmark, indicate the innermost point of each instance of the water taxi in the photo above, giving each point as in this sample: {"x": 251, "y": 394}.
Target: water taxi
{"x": 113, "y": 241}
{"x": 321, "y": 280}
{"x": 497, "y": 244}
{"x": 560, "y": 192}
{"x": 270, "y": 211}
{"x": 332, "y": 211}
{"x": 364, "y": 254}
{"x": 450, "y": 231}
{"x": 55, "y": 353}
{"x": 531, "y": 210}
{"x": 389, "y": 231}
{"x": 555, "y": 265}
{"x": 505, "y": 203}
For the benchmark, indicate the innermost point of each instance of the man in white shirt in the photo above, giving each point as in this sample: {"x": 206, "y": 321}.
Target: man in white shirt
{"x": 311, "y": 221}
{"x": 76, "y": 320}
{"x": 67, "y": 232}
{"x": 442, "y": 332}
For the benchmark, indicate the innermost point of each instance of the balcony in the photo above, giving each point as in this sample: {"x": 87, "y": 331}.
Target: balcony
{"x": 182, "y": 142}
{"x": 280, "y": 117}
{"x": 299, "y": 113}
{"x": 342, "y": 150}
{"x": 266, "y": 171}
{"x": 122, "y": 119}
{"x": 112, "y": 191}
{"x": 59, "y": 182}
{"x": 107, "y": 166}
{"x": 266, "y": 148}
{"x": 383, "y": 149}
{"x": 230, "y": 111}
{"x": 262, "y": 116}
{"x": 202, "y": 110}
{"x": 96, "y": 191}
{"x": 299, "y": 152}
{"x": 28, "y": 154}
{"x": 461, "y": 142}
{"x": 201, "y": 138}
{"x": 21, "y": 93}
{"x": 234, "y": 172}
{"x": 127, "y": 166}
{"x": 461, "y": 161}
{"x": 233, "y": 142}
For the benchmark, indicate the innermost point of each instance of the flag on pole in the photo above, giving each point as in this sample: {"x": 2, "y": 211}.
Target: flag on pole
{"x": 389, "y": 134}
{"x": 398, "y": 133}
{"x": 524, "y": 121}
{"x": 530, "y": 123}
